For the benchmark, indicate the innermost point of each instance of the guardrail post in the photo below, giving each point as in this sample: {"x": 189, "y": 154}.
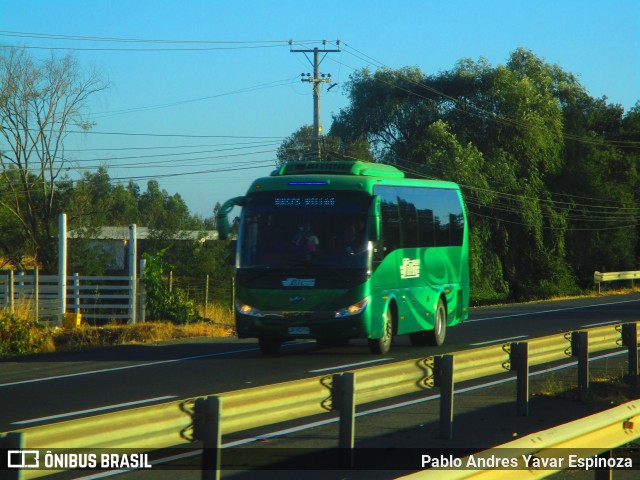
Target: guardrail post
{"x": 520, "y": 363}
{"x": 630, "y": 340}
{"x": 443, "y": 376}
{"x": 208, "y": 429}
{"x": 604, "y": 473}
{"x": 580, "y": 349}
{"x": 12, "y": 441}
{"x": 347, "y": 408}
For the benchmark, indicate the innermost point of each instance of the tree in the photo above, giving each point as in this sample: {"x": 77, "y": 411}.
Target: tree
{"x": 550, "y": 175}
{"x": 301, "y": 146}
{"x": 39, "y": 102}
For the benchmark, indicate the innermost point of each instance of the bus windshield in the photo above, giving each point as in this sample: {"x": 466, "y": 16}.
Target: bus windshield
{"x": 294, "y": 229}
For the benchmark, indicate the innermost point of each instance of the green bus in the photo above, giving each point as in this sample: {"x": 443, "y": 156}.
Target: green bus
{"x": 334, "y": 251}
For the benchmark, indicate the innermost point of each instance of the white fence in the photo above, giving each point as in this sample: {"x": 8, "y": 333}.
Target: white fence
{"x": 98, "y": 299}
{"x": 31, "y": 294}
{"x": 48, "y": 297}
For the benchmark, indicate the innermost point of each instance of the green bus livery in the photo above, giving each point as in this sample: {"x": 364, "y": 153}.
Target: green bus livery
{"x": 334, "y": 251}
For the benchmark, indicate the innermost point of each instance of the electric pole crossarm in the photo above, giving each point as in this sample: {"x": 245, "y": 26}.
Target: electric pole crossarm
{"x": 316, "y": 81}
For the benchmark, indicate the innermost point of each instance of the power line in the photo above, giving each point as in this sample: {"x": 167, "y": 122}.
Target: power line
{"x": 254, "y": 88}
{"x": 167, "y": 135}
{"x": 173, "y": 162}
{"x": 182, "y": 45}
{"x": 55, "y": 36}
{"x": 472, "y": 109}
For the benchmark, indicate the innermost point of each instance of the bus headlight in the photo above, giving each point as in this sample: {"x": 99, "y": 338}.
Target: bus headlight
{"x": 247, "y": 309}
{"x": 354, "y": 309}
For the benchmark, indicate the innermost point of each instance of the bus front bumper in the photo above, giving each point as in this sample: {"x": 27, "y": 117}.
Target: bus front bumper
{"x": 298, "y": 325}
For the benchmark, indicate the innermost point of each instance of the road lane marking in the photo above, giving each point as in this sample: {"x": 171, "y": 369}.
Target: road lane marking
{"x": 528, "y": 314}
{"x": 394, "y": 406}
{"x": 501, "y": 340}
{"x": 340, "y": 367}
{"x": 307, "y": 426}
{"x": 94, "y": 410}
{"x": 128, "y": 367}
{"x": 149, "y": 364}
{"x": 612, "y": 322}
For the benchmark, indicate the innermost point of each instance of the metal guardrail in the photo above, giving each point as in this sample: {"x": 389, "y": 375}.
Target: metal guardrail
{"x": 259, "y": 406}
{"x": 599, "y": 277}
{"x": 207, "y": 419}
{"x": 597, "y": 433}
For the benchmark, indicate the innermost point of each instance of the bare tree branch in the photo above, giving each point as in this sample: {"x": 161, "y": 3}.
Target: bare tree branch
{"x": 39, "y": 100}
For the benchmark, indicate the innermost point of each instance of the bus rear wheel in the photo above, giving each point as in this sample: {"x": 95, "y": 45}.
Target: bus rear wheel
{"x": 436, "y": 336}
{"x": 382, "y": 345}
{"x": 269, "y": 345}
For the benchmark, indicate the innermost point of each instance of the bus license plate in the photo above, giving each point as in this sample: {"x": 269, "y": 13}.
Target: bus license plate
{"x": 299, "y": 330}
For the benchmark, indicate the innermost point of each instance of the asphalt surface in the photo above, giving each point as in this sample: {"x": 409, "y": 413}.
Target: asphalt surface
{"x": 51, "y": 388}
{"x": 390, "y": 443}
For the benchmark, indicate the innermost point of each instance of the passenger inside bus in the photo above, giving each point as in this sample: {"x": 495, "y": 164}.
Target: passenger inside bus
{"x": 305, "y": 240}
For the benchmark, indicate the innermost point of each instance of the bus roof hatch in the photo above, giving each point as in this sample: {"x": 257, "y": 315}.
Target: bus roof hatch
{"x": 358, "y": 167}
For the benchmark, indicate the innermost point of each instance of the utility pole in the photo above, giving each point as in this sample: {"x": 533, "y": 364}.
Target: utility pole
{"x": 317, "y": 79}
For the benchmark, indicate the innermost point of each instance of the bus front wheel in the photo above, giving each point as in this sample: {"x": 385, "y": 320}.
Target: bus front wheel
{"x": 383, "y": 344}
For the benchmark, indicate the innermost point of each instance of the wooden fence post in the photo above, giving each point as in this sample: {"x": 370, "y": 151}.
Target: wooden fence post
{"x": 206, "y": 297}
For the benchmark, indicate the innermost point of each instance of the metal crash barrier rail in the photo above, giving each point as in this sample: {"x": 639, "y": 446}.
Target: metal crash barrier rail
{"x": 543, "y": 453}
{"x": 206, "y": 419}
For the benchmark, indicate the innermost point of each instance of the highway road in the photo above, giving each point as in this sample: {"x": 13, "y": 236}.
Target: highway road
{"x": 49, "y": 388}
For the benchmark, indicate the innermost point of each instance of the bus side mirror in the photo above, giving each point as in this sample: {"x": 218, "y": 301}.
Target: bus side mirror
{"x": 373, "y": 220}
{"x": 222, "y": 218}
{"x": 222, "y": 225}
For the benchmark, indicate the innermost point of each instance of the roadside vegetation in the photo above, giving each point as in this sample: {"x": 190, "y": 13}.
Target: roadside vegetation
{"x": 20, "y": 335}
{"x": 607, "y": 387}
{"x": 550, "y": 175}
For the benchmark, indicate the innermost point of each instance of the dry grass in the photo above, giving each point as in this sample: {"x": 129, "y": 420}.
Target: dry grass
{"x": 606, "y": 290}
{"x": 54, "y": 339}
{"x": 147, "y": 332}
{"x": 605, "y": 388}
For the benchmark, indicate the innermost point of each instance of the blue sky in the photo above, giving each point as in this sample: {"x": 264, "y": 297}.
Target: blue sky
{"x": 223, "y": 111}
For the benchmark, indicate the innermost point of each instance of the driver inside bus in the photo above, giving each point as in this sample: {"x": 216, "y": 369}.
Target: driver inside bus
{"x": 305, "y": 239}
{"x": 352, "y": 240}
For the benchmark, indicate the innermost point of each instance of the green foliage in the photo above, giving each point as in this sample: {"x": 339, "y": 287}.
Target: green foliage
{"x": 162, "y": 304}
{"x": 302, "y": 145}
{"x": 20, "y": 336}
{"x": 550, "y": 185}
